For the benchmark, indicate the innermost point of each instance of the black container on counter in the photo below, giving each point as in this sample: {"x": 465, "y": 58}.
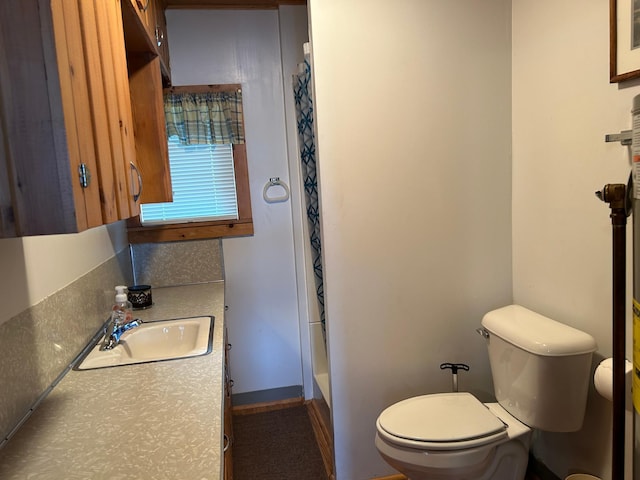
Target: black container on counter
{"x": 140, "y": 296}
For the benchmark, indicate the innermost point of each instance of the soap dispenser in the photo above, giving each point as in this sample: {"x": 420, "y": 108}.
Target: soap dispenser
{"x": 121, "y": 312}
{"x": 121, "y": 320}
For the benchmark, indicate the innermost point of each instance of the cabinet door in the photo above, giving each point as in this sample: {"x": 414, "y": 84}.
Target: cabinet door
{"x": 141, "y": 19}
{"x": 144, "y": 10}
{"x": 105, "y": 63}
{"x": 152, "y": 150}
{"x": 161, "y": 37}
{"x": 41, "y": 134}
{"x": 110, "y": 107}
{"x": 104, "y": 115}
{"x": 122, "y": 129}
{"x": 76, "y": 106}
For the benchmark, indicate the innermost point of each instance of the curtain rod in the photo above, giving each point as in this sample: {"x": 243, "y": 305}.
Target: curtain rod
{"x": 229, "y": 87}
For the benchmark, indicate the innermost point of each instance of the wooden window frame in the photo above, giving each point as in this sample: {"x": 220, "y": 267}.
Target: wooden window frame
{"x": 243, "y": 226}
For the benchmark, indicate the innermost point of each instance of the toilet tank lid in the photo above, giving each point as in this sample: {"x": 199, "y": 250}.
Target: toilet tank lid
{"x": 536, "y": 333}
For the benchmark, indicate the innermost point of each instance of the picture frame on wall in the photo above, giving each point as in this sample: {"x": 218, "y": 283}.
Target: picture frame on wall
{"x": 624, "y": 40}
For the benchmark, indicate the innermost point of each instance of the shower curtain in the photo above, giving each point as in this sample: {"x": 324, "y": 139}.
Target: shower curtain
{"x": 306, "y": 142}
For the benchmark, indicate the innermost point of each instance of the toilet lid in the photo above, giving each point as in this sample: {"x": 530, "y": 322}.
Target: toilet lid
{"x": 443, "y": 418}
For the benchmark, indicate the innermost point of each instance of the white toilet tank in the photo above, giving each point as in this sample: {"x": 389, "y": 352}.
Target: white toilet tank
{"x": 541, "y": 368}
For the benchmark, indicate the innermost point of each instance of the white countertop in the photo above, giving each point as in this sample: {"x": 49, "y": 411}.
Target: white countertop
{"x": 160, "y": 420}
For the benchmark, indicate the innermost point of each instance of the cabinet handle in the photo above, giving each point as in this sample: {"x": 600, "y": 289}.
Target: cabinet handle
{"x": 134, "y": 169}
{"x": 159, "y": 36}
{"x": 228, "y": 382}
{"x": 227, "y": 442}
{"x": 143, "y": 7}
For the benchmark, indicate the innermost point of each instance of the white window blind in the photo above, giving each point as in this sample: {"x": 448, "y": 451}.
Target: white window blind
{"x": 203, "y": 182}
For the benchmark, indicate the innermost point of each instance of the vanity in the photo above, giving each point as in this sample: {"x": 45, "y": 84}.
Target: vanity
{"x": 160, "y": 420}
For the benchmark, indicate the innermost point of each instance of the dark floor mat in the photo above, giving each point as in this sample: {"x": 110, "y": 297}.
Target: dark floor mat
{"x": 276, "y": 445}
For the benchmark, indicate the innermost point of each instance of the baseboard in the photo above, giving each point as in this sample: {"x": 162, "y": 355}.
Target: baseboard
{"x": 267, "y": 396}
{"x": 321, "y": 423}
{"x": 266, "y": 406}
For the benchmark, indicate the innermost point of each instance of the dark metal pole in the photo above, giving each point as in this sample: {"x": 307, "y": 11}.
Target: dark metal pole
{"x": 616, "y": 196}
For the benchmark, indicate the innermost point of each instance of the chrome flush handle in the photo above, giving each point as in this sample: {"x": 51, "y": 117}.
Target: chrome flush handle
{"x": 483, "y": 332}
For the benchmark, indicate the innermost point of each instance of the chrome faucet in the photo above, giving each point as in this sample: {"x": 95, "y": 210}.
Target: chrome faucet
{"x": 114, "y": 330}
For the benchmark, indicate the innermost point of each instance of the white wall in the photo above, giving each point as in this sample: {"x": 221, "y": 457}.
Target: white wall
{"x": 35, "y": 267}
{"x": 216, "y": 46}
{"x": 294, "y": 32}
{"x": 413, "y": 118}
{"x": 563, "y": 105}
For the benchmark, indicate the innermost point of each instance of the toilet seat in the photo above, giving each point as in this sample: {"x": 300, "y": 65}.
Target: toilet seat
{"x": 444, "y": 421}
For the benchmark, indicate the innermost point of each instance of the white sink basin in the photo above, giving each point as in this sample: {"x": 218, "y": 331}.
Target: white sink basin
{"x": 154, "y": 341}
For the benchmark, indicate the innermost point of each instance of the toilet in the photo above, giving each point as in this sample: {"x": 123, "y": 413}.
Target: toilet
{"x": 541, "y": 374}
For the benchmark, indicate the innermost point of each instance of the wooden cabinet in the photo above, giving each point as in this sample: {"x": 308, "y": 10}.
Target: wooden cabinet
{"x": 70, "y": 145}
{"x": 228, "y": 421}
{"x": 150, "y": 15}
{"x": 146, "y": 80}
{"x": 152, "y": 150}
{"x": 162, "y": 36}
{"x": 157, "y": 28}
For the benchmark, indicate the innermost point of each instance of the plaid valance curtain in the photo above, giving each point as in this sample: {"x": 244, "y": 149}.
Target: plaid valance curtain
{"x": 205, "y": 118}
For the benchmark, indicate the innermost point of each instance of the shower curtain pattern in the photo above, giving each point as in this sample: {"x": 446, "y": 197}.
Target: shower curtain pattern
{"x": 306, "y": 143}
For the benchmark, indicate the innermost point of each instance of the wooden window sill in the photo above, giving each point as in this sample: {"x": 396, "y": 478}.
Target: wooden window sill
{"x": 188, "y": 231}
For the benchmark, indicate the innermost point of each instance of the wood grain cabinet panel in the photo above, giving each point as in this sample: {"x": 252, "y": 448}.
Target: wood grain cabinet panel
{"x": 69, "y": 148}
{"x": 46, "y": 118}
{"x": 146, "y": 27}
{"x": 146, "y": 80}
{"x": 161, "y": 36}
{"x": 152, "y": 149}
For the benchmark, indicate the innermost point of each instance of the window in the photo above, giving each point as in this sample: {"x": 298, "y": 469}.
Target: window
{"x": 203, "y": 183}
{"x": 208, "y": 161}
